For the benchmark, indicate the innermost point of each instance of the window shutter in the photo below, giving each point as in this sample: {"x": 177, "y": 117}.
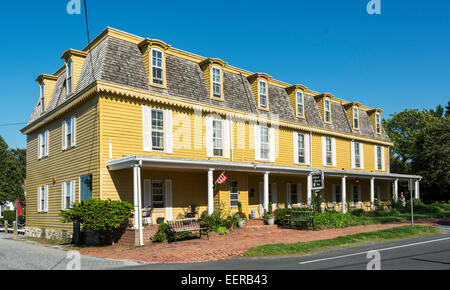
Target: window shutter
{"x": 46, "y": 199}
{"x": 147, "y": 193}
{"x": 146, "y": 135}
{"x": 39, "y": 199}
{"x": 324, "y": 151}
{"x": 333, "y": 147}
{"x": 288, "y": 194}
{"x": 226, "y": 138}
{"x": 352, "y": 149}
{"x": 63, "y": 195}
{"x": 375, "y": 156}
{"x": 382, "y": 159}
{"x": 47, "y": 138}
{"x": 63, "y": 129}
{"x": 272, "y": 144}
{"x": 39, "y": 146}
{"x": 169, "y": 138}
{"x": 168, "y": 189}
{"x": 257, "y": 143}
{"x": 295, "y": 143}
{"x": 209, "y": 137}
{"x": 73, "y": 139}
{"x": 72, "y": 193}
{"x": 261, "y": 198}
{"x": 361, "y": 153}
{"x": 307, "y": 150}
{"x": 299, "y": 193}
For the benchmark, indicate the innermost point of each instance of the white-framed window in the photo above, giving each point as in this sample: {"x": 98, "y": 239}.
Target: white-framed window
{"x": 357, "y": 155}
{"x": 300, "y": 104}
{"x": 301, "y": 148}
{"x": 337, "y": 193}
{"x": 378, "y": 123}
{"x": 42, "y": 199}
{"x": 69, "y": 73}
{"x": 263, "y": 94}
{"x": 157, "y": 67}
{"x": 157, "y": 129}
{"x": 264, "y": 142}
{"x": 157, "y": 194}
{"x": 234, "y": 193}
{"x": 68, "y": 133}
{"x": 42, "y": 96}
{"x": 355, "y": 118}
{"x": 67, "y": 194}
{"x": 328, "y": 151}
{"x": 379, "y": 157}
{"x": 43, "y": 140}
{"x": 217, "y": 82}
{"x": 217, "y": 138}
{"x": 327, "y": 110}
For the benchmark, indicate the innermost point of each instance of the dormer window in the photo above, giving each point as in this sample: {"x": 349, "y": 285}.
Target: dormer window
{"x": 217, "y": 82}
{"x": 327, "y": 110}
{"x": 263, "y": 94}
{"x": 378, "y": 123}
{"x": 69, "y": 76}
{"x": 157, "y": 67}
{"x": 300, "y": 104}
{"x": 42, "y": 97}
{"x": 355, "y": 118}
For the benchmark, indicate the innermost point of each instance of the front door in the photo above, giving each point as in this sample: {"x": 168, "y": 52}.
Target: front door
{"x": 86, "y": 187}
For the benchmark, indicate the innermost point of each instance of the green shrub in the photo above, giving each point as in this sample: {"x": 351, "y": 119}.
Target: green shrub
{"x": 9, "y": 215}
{"x": 101, "y": 216}
{"x": 222, "y": 230}
{"x": 163, "y": 233}
{"x": 217, "y": 220}
{"x": 332, "y": 219}
{"x": 357, "y": 212}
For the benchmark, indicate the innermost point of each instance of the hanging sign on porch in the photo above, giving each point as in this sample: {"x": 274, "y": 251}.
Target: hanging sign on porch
{"x": 317, "y": 180}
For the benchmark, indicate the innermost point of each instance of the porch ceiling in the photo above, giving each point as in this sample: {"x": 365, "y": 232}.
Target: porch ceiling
{"x": 195, "y": 164}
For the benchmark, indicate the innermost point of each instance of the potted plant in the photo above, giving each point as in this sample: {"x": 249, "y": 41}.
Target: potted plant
{"x": 269, "y": 216}
{"x": 240, "y": 217}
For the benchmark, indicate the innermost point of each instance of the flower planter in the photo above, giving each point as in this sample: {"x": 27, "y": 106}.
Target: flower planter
{"x": 270, "y": 221}
{"x": 241, "y": 223}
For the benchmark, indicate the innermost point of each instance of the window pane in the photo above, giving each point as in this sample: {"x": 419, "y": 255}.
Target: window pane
{"x": 234, "y": 193}
{"x": 158, "y": 194}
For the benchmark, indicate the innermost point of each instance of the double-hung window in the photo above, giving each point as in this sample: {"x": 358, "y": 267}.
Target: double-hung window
{"x": 328, "y": 151}
{"x": 263, "y": 94}
{"x": 68, "y": 133}
{"x": 264, "y": 142}
{"x": 379, "y": 157}
{"x": 42, "y": 199}
{"x": 157, "y": 194}
{"x": 42, "y": 92}
{"x": 378, "y": 123}
{"x": 234, "y": 193}
{"x": 357, "y": 154}
{"x": 69, "y": 76}
{"x": 327, "y": 109}
{"x": 157, "y": 129}
{"x": 294, "y": 193}
{"x": 157, "y": 67}
{"x": 217, "y": 138}
{"x": 300, "y": 106}
{"x": 337, "y": 193}
{"x": 355, "y": 193}
{"x": 355, "y": 118}
{"x": 301, "y": 148}
{"x": 67, "y": 194}
{"x": 217, "y": 82}
{"x": 43, "y": 144}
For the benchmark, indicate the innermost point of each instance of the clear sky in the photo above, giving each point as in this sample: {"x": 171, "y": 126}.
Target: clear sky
{"x": 396, "y": 60}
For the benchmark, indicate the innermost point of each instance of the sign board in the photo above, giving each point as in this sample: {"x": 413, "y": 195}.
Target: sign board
{"x": 317, "y": 180}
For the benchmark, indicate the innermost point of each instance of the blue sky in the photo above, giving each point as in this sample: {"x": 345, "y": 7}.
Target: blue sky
{"x": 399, "y": 59}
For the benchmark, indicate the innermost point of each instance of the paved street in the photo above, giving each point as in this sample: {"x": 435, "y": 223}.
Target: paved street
{"x": 422, "y": 253}
{"x": 25, "y": 255}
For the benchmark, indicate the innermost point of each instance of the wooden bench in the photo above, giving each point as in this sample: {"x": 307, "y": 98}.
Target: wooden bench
{"x": 187, "y": 225}
{"x": 300, "y": 216}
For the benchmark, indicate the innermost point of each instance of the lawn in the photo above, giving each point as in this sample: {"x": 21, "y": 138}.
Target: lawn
{"x": 361, "y": 238}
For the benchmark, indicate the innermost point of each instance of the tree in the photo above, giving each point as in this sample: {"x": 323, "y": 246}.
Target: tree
{"x": 12, "y": 173}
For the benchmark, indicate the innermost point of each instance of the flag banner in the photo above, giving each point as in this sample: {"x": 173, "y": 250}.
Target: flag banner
{"x": 19, "y": 211}
{"x": 221, "y": 179}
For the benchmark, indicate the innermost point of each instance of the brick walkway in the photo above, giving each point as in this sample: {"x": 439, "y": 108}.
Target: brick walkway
{"x": 232, "y": 245}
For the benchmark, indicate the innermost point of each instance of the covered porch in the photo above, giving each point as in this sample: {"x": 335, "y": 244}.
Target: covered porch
{"x": 163, "y": 189}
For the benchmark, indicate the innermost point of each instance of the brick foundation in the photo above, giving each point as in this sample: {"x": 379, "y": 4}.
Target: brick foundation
{"x": 131, "y": 236}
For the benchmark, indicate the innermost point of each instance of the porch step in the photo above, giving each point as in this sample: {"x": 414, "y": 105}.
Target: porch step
{"x": 255, "y": 222}
{"x": 261, "y": 228}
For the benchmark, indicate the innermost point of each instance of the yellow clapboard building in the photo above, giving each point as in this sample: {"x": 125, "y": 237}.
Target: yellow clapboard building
{"x": 134, "y": 119}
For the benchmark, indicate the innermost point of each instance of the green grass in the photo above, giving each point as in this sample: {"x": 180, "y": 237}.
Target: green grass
{"x": 309, "y": 247}
{"x": 368, "y": 220}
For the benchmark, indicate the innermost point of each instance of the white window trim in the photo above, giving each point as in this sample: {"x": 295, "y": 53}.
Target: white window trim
{"x": 378, "y": 123}
{"x": 214, "y": 82}
{"x": 69, "y": 89}
{"x": 163, "y": 131}
{"x": 72, "y": 184}
{"x": 43, "y": 144}
{"x": 65, "y": 133}
{"x": 221, "y": 138}
{"x": 42, "y": 190}
{"x": 152, "y": 66}
{"x": 295, "y": 135}
{"x": 147, "y": 140}
{"x": 42, "y": 96}
{"x": 289, "y": 203}
{"x": 333, "y": 151}
{"x": 355, "y": 118}
{"x": 266, "y": 95}
{"x": 164, "y": 193}
{"x": 376, "y": 158}
{"x": 353, "y": 155}
{"x": 302, "y": 103}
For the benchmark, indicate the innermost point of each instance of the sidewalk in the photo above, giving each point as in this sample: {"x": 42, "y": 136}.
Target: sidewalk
{"x": 234, "y": 244}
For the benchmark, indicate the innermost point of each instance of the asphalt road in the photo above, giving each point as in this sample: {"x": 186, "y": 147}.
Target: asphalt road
{"x": 25, "y": 255}
{"x": 421, "y": 253}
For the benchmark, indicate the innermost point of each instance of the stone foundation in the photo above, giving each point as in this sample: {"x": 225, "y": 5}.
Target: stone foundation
{"x": 50, "y": 234}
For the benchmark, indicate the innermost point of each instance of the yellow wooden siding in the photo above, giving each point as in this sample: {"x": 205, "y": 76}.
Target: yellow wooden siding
{"x": 65, "y": 166}
{"x": 77, "y": 67}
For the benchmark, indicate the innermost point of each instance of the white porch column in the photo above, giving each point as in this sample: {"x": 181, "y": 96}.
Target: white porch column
{"x": 135, "y": 198}
{"x": 138, "y": 202}
{"x": 210, "y": 191}
{"x": 266, "y": 191}
{"x": 372, "y": 193}
{"x": 417, "y": 189}
{"x": 309, "y": 190}
{"x": 396, "y": 190}
{"x": 344, "y": 194}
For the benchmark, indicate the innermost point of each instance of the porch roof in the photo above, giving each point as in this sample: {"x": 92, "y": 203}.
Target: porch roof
{"x": 165, "y": 162}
